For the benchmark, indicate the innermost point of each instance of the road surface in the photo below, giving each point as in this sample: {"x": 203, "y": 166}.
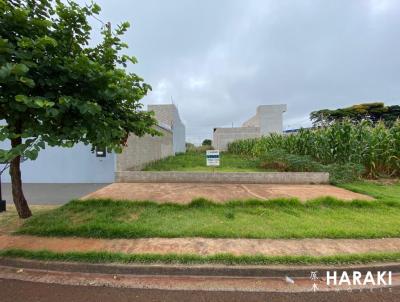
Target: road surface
{"x": 22, "y": 291}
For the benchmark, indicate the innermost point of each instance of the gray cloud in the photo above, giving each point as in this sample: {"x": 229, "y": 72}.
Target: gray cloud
{"x": 220, "y": 59}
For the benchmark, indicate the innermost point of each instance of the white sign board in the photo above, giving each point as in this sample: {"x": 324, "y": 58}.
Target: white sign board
{"x": 212, "y": 158}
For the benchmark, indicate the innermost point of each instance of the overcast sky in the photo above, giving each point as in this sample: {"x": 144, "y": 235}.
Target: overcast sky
{"x": 220, "y": 59}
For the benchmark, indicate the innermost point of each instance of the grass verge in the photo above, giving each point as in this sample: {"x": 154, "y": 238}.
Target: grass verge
{"x": 279, "y": 218}
{"x": 381, "y": 191}
{"x": 227, "y": 259}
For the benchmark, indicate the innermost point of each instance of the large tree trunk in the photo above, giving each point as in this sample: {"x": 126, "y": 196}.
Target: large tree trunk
{"x": 18, "y": 195}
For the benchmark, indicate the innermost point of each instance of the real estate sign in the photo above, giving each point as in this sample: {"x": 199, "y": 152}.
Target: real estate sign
{"x": 212, "y": 158}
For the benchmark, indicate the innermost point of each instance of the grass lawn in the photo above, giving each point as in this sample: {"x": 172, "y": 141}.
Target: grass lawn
{"x": 281, "y": 218}
{"x": 196, "y": 161}
{"x": 227, "y": 259}
{"x": 381, "y": 191}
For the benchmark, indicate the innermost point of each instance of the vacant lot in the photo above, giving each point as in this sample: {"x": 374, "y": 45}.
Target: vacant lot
{"x": 280, "y": 218}
{"x": 196, "y": 161}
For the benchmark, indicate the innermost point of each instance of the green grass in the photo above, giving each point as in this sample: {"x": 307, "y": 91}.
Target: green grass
{"x": 385, "y": 192}
{"x": 227, "y": 259}
{"x": 280, "y": 218}
{"x": 196, "y": 161}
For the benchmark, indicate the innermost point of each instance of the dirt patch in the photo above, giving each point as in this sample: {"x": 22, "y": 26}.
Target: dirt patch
{"x": 135, "y": 215}
{"x": 385, "y": 181}
{"x": 9, "y": 220}
{"x": 186, "y": 192}
{"x": 204, "y": 246}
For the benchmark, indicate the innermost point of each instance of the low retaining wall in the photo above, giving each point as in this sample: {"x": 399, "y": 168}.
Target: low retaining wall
{"x": 224, "y": 177}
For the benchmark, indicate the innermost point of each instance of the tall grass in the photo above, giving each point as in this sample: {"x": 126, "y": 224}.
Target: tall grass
{"x": 376, "y": 147}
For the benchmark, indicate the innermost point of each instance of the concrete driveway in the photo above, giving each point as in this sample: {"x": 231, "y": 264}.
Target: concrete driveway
{"x": 52, "y": 193}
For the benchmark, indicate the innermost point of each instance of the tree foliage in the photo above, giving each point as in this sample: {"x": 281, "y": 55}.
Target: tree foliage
{"x": 57, "y": 90}
{"x": 373, "y": 112}
{"x": 206, "y": 142}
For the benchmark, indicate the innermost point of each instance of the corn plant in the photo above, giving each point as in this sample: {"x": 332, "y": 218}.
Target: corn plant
{"x": 376, "y": 147}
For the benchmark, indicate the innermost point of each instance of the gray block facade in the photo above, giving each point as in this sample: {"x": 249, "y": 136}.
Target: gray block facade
{"x": 142, "y": 150}
{"x": 268, "y": 119}
{"x": 224, "y": 177}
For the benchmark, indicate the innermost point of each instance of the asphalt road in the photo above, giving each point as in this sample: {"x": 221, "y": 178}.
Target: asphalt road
{"x": 42, "y": 194}
{"x": 22, "y": 291}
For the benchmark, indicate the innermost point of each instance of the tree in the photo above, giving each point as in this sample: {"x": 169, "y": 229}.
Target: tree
{"x": 206, "y": 142}
{"x": 58, "y": 91}
{"x": 373, "y": 112}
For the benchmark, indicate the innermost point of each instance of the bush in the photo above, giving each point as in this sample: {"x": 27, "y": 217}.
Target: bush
{"x": 342, "y": 173}
{"x": 206, "y": 142}
{"x": 280, "y": 160}
{"x": 200, "y": 149}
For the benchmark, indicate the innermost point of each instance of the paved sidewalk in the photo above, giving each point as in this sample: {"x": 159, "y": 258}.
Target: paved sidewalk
{"x": 186, "y": 192}
{"x": 204, "y": 246}
{"x": 42, "y": 194}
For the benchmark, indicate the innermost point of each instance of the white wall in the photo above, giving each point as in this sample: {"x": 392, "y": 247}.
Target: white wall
{"x": 66, "y": 165}
{"x": 179, "y": 138}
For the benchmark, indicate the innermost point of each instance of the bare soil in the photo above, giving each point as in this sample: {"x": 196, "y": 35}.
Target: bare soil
{"x": 186, "y": 192}
{"x": 204, "y": 246}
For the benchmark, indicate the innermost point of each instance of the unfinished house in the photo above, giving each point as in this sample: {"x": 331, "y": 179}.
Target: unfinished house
{"x": 143, "y": 150}
{"x": 268, "y": 119}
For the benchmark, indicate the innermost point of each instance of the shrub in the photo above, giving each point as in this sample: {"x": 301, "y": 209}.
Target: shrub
{"x": 280, "y": 160}
{"x": 206, "y": 142}
{"x": 342, "y": 173}
{"x": 200, "y": 149}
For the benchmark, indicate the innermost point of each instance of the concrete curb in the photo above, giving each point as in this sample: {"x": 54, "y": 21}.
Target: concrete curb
{"x": 223, "y": 177}
{"x": 193, "y": 270}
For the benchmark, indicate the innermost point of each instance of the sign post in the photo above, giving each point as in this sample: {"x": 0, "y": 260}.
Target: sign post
{"x": 2, "y": 202}
{"x": 212, "y": 158}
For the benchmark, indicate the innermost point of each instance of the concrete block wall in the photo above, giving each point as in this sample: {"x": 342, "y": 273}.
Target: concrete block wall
{"x": 224, "y": 177}
{"x": 168, "y": 114}
{"x": 223, "y": 136}
{"x": 268, "y": 119}
{"x": 271, "y": 118}
{"x": 142, "y": 150}
{"x": 252, "y": 122}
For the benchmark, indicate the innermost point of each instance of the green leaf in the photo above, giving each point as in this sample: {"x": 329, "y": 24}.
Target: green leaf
{"x": 19, "y": 69}
{"x": 40, "y": 103}
{"x": 21, "y": 98}
{"x": 46, "y": 41}
{"x": 31, "y": 154}
{"x": 5, "y": 71}
{"x": 28, "y": 82}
